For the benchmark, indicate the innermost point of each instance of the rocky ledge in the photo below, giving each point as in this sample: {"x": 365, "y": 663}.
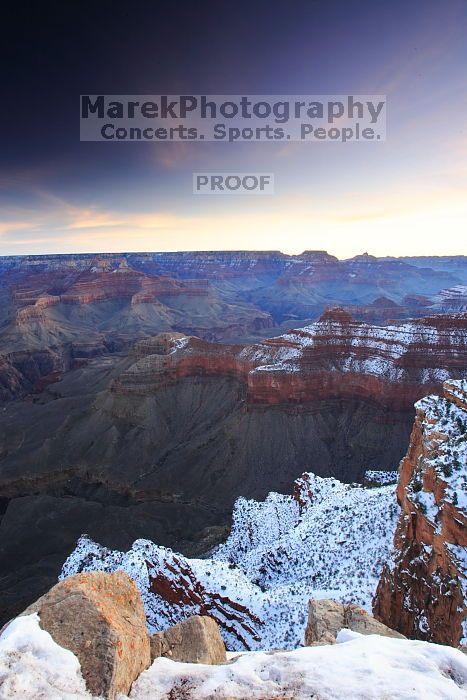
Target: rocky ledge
{"x": 86, "y": 639}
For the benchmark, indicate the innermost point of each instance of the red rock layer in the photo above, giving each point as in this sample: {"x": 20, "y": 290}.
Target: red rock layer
{"x": 333, "y": 358}
{"x": 128, "y": 284}
{"x": 102, "y": 282}
{"x": 422, "y": 590}
{"x": 177, "y": 585}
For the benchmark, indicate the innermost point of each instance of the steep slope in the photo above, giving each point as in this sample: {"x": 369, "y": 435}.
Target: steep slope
{"x": 328, "y": 539}
{"x": 423, "y": 591}
{"x": 454, "y": 264}
{"x": 59, "y": 312}
{"x": 451, "y": 300}
{"x": 112, "y": 293}
{"x": 318, "y": 362}
{"x": 340, "y": 391}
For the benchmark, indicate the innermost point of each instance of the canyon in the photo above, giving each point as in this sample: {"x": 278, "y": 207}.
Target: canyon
{"x": 327, "y": 539}
{"x": 142, "y": 394}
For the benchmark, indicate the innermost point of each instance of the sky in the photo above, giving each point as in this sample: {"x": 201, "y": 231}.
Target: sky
{"x": 404, "y": 196}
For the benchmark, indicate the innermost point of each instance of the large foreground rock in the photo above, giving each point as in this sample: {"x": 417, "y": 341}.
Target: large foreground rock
{"x": 327, "y": 617}
{"x": 100, "y": 618}
{"x": 197, "y": 640}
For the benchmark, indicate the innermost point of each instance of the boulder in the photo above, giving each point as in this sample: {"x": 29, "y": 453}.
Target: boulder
{"x": 327, "y": 617}
{"x": 100, "y": 618}
{"x": 196, "y": 640}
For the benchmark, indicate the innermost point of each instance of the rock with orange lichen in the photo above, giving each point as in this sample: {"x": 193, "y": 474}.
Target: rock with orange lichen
{"x": 100, "y": 618}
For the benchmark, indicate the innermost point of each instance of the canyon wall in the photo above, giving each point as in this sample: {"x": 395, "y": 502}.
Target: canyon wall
{"x": 422, "y": 591}
{"x": 336, "y": 357}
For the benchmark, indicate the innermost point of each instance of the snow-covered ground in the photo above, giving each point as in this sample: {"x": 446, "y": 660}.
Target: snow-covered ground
{"x": 34, "y": 667}
{"x": 381, "y": 478}
{"x": 358, "y": 668}
{"x": 328, "y": 540}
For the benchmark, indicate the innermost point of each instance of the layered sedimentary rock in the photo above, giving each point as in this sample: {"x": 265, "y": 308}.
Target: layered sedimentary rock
{"x": 384, "y": 310}
{"x": 159, "y": 441}
{"x": 125, "y": 283}
{"x": 335, "y": 357}
{"x": 101, "y": 282}
{"x": 422, "y": 591}
{"x": 288, "y": 286}
{"x": 314, "y": 280}
{"x": 172, "y": 589}
{"x": 80, "y": 307}
{"x": 451, "y": 300}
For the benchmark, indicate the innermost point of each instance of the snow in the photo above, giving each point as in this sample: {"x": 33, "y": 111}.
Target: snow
{"x": 438, "y": 488}
{"x": 452, "y": 299}
{"x": 358, "y": 667}
{"x": 280, "y": 553}
{"x": 444, "y": 426}
{"x": 34, "y": 667}
{"x": 375, "y": 476}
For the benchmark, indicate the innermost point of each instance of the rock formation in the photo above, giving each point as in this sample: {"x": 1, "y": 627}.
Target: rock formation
{"x": 256, "y": 585}
{"x": 138, "y": 434}
{"x": 171, "y": 589}
{"x": 196, "y": 641}
{"x": 453, "y": 300}
{"x": 295, "y": 286}
{"x": 334, "y": 357}
{"x": 33, "y": 666}
{"x": 100, "y": 618}
{"x": 326, "y": 618}
{"x": 162, "y": 440}
{"x": 422, "y": 591}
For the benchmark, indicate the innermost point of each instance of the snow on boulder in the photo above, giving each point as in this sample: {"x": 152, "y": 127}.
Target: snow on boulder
{"x": 33, "y": 666}
{"x": 326, "y": 540}
{"x": 327, "y": 617}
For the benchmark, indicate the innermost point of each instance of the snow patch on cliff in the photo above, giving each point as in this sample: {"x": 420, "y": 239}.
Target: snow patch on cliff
{"x": 445, "y": 428}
